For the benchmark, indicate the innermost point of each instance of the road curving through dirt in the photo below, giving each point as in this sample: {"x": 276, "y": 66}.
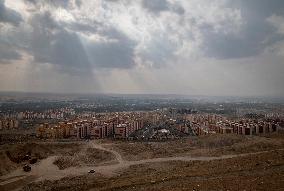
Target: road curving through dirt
{"x": 46, "y": 170}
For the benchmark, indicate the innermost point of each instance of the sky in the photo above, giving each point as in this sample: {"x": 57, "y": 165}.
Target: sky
{"x": 195, "y": 47}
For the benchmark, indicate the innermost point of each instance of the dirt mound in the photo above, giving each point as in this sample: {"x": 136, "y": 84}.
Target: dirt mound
{"x": 6, "y": 165}
{"x": 256, "y": 145}
{"x": 64, "y": 162}
{"x": 13, "y": 156}
{"x": 94, "y": 156}
{"x": 91, "y": 157}
{"x": 19, "y": 153}
{"x": 218, "y": 140}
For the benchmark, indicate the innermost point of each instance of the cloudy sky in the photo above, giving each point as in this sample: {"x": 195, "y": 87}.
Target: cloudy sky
{"x": 204, "y": 47}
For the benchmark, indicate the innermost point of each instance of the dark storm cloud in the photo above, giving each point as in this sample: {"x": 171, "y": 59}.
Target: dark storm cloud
{"x": 9, "y": 15}
{"x": 8, "y": 53}
{"x": 55, "y": 3}
{"x": 252, "y": 40}
{"x": 258, "y": 8}
{"x": 78, "y": 3}
{"x": 162, "y": 47}
{"x": 149, "y": 39}
{"x": 31, "y": 1}
{"x": 254, "y": 36}
{"x": 177, "y": 9}
{"x": 53, "y": 44}
{"x": 156, "y": 6}
{"x": 117, "y": 52}
{"x": 84, "y": 28}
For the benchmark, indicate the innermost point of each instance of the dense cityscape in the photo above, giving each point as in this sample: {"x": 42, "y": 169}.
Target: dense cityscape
{"x": 84, "y": 119}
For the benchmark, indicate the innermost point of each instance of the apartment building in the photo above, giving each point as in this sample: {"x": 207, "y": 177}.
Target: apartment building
{"x": 105, "y": 126}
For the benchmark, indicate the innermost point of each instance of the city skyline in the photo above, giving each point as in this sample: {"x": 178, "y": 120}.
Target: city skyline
{"x": 215, "y": 48}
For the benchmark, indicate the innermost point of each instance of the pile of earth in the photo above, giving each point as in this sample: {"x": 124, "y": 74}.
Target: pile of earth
{"x": 14, "y": 156}
{"x": 91, "y": 157}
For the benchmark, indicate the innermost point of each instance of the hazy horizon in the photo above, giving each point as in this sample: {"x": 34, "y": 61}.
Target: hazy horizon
{"x": 172, "y": 47}
{"x": 220, "y": 98}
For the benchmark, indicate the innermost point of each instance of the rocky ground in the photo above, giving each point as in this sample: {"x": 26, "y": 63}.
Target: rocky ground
{"x": 89, "y": 157}
{"x": 210, "y": 145}
{"x": 216, "y": 162}
{"x": 254, "y": 172}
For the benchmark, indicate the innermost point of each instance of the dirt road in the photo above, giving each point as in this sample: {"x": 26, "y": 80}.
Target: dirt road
{"x": 46, "y": 170}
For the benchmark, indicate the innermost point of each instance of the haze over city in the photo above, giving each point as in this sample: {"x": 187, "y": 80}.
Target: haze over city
{"x": 209, "y": 47}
